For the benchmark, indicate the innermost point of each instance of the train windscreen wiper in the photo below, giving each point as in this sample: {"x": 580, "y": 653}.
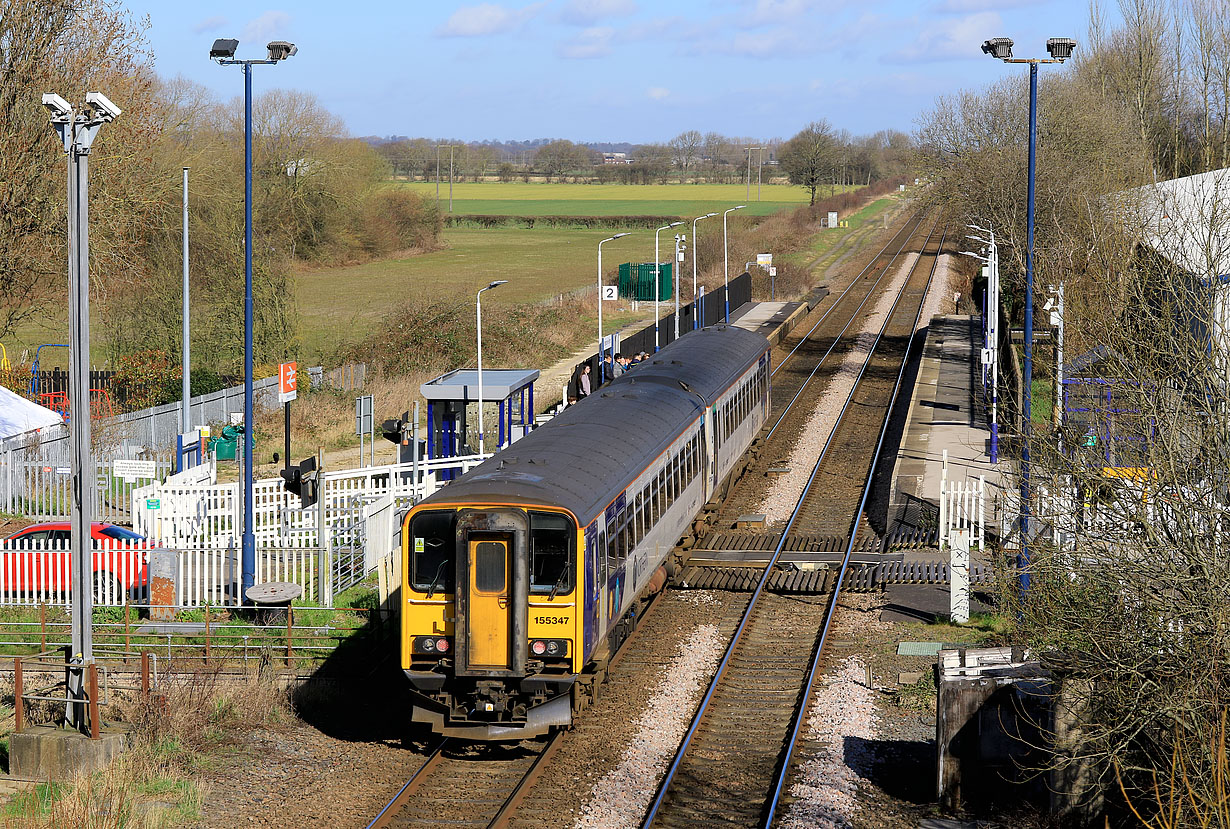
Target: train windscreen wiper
{"x": 562, "y": 578}
{"x": 436, "y": 579}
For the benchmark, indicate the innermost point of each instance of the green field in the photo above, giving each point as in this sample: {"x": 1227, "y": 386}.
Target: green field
{"x": 538, "y": 263}
{"x": 514, "y": 198}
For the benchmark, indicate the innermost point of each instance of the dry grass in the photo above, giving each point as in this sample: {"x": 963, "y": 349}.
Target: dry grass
{"x": 151, "y": 785}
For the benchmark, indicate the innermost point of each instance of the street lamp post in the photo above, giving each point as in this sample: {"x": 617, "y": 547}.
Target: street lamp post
{"x": 759, "y": 168}
{"x": 991, "y": 339}
{"x": 223, "y": 52}
{"x": 77, "y": 131}
{"x": 695, "y": 247}
{"x": 1060, "y": 49}
{"x": 657, "y": 280}
{"x": 601, "y": 354}
{"x": 726, "y": 259}
{"x": 478, "y": 319}
{"x": 680, "y": 239}
{"x": 450, "y": 174}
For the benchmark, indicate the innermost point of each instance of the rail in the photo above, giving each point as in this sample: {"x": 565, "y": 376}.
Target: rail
{"x": 664, "y": 787}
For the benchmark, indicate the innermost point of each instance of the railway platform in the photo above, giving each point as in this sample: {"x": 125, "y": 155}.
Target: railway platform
{"x": 772, "y": 320}
{"x": 945, "y": 415}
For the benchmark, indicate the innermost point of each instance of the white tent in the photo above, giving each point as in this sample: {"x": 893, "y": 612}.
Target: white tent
{"x": 19, "y": 415}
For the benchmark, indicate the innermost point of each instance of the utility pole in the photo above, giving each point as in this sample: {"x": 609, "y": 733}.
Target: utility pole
{"x": 77, "y": 131}
{"x": 186, "y": 385}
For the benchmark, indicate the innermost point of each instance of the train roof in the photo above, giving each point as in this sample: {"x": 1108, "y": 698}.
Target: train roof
{"x": 585, "y": 456}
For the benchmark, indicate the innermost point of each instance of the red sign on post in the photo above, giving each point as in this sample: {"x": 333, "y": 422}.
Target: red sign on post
{"x": 288, "y": 382}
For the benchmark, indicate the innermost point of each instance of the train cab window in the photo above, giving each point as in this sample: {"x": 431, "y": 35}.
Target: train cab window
{"x": 551, "y": 542}
{"x": 433, "y": 538}
{"x": 489, "y": 566}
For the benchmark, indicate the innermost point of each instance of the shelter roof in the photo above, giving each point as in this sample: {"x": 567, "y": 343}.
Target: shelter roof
{"x": 462, "y": 384}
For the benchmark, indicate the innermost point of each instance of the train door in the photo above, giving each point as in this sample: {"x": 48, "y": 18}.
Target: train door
{"x": 709, "y": 450}
{"x": 488, "y": 619}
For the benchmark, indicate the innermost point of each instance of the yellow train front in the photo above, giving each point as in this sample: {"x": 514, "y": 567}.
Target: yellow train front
{"x": 522, "y": 577}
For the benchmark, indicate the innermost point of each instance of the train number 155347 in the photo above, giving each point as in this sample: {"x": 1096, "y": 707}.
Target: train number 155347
{"x": 550, "y": 620}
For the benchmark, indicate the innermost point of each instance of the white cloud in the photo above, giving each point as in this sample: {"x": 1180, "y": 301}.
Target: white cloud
{"x": 658, "y": 93}
{"x": 209, "y": 24}
{"x": 949, "y": 39}
{"x": 269, "y": 25}
{"x": 486, "y": 19}
{"x": 772, "y": 43}
{"x": 594, "y": 42}
{"x": 586, "y": 12}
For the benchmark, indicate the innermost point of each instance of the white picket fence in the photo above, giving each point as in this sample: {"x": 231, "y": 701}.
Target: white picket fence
{"x": 963, "y": 506}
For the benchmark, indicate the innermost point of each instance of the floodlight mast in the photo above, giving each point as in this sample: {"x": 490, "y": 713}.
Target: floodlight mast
{"x": 1060, "y": 49}
{"x": 223, "y": 52}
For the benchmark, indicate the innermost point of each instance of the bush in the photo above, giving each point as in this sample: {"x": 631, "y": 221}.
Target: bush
{"x": 147, "y": 378}
{"x": 396, "y": 219}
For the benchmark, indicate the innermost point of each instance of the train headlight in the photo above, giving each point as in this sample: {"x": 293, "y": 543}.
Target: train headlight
{"x": 549, "y": 647}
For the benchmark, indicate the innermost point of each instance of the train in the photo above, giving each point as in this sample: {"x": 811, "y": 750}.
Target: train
{"x": 522, "y": 578}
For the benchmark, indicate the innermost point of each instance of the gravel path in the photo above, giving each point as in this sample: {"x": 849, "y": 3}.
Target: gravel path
{"x": 619, "y": 799}
{"x": 939, "y": 297}
{"x": 783, "y": 493}
{"x": 841, "y": 722}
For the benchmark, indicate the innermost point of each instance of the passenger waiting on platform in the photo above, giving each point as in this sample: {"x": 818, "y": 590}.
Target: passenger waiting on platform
{"x": 583, "y": 384}
{"x": 617, "y": 368}
{"x": 610, "y": 367}
{"x": 624, "y": 361}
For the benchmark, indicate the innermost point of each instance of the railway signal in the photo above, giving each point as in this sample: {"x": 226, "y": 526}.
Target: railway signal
{"x": 302, "y": 480}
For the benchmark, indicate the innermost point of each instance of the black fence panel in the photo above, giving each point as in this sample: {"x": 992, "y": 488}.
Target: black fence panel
{"x": 710, "y": 308}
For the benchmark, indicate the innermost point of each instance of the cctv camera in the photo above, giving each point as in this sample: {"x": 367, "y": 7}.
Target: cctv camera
{"x": 280, "y": 50}
{"x": 101, "y": 106}
{"x": 58, "y": 107}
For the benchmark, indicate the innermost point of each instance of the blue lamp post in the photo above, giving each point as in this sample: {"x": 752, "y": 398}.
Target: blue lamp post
{"x": 223, "y": 52}
{"x": 1060, "y": 49}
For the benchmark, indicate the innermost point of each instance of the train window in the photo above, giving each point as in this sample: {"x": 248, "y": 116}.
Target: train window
{"x": 551, "y": 544}
{"x": 433, "y": 537}
{"x": 625, "y": 538}
{"x": 490, "y": 566}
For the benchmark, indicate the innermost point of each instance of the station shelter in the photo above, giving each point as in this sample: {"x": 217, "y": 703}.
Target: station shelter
{"x": 449, "y": 397}
{"x": 1102, "y": 408}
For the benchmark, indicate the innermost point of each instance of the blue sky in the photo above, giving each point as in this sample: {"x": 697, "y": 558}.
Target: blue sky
{"x": 611, "y": 70}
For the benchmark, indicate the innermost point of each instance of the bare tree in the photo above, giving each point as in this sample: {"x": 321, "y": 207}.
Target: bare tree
{"x": 686, "y": 149}
{"x": 810, "y": 157}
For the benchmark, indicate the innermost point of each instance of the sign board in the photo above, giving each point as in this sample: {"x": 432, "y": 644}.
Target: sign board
{"x": 132, "y": 470}
{"x": 764, "y": 260}
{"x": 363, "y": 423}
{"x": 986, "y": 271}
{"x": 958, "y": 570}
{"x": 832, "y": 218}
{"x": 610, "y": 293}
{"x": 288, "y": 382}
{"x": 986, "y": 357}
{"x": 773, "y": 271}
{"x": 153, "y": 503}
{"x": 610, "y": 343}
{"x": 64, "y": 470}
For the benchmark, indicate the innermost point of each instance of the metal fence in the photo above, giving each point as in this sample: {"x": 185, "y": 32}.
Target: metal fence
{"x": 36, "y": 484}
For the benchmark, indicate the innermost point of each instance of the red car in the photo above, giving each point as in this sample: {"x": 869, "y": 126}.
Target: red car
{"x": 36, "y": 560}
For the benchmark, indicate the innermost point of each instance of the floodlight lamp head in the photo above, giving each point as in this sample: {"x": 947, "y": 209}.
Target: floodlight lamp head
{"x": 223, "y": 48}
{"x": 280, "y": 50}
{"x": 57, "y": 106}
{"x": 998, "y": 47}
{"x": 1060, "y": 48}
{"x": 621, "y": 235}
{"x": 102, "y": 107}
{"x": 738, "y": 207}
{"x": 708, "y": 215}
{"x": 498, "y": 283}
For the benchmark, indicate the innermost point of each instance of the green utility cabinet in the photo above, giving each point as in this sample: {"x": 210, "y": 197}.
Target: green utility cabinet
{"x": 636, "y": 281}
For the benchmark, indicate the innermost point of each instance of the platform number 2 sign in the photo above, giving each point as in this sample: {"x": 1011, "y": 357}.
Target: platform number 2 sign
{"x": 610, "y": 293}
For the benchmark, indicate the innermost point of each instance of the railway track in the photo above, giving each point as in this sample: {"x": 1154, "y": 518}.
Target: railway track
{"x": 733, "y": 762}
{"x": 468, "y": 784}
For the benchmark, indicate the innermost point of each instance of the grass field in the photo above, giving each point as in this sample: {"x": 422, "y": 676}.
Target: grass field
{"x": 538, "y": 263}
{"x": 538, "y": 199}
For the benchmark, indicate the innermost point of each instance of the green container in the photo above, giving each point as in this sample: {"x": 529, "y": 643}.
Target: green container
{"x": 636, "y": 281}
{"x": 226, "y": 445}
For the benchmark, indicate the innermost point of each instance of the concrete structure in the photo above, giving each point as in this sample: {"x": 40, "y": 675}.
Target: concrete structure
{"x": 946, "y": 413}
{"x": 45, "y": 752}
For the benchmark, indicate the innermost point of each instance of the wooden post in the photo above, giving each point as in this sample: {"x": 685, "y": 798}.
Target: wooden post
{"x": 127, "y": 639}
{"x": 145, "y": 675}
{"x": 290, "y": 616}
{"x": 92, "y": 670}
{"x": 19, "y": 707}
